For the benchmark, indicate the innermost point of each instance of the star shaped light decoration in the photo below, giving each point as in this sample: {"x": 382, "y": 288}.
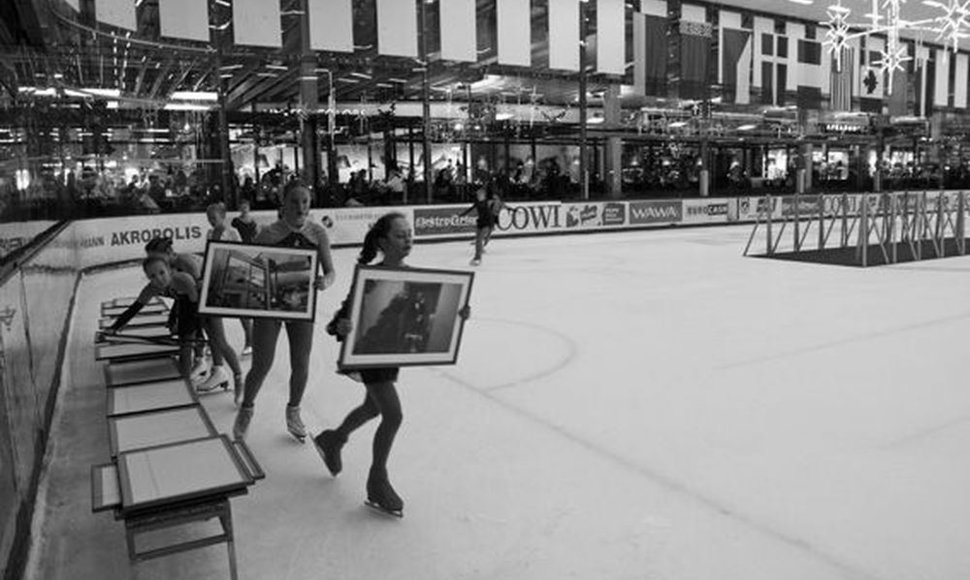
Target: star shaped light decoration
{"x": 955, "y": 21}
{"x": 885, "y": 18}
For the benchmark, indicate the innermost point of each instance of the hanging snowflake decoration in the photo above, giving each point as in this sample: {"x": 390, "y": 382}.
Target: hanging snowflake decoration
{"x": 953, "y": 25}
{"x": 885, "y": 18}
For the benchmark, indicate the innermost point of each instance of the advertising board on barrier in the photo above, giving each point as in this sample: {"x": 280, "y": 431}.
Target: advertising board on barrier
{"x": 349, "y": 225}
{"x": 656, "y": 212}
{"x": 529, "y": 217}
{"x": 442, "y": 220}
{"x": 543, "y": 217}
{"x": 705, "y": 210}
{"x": 594, "y": 215}
{"x": 106, "y": 240}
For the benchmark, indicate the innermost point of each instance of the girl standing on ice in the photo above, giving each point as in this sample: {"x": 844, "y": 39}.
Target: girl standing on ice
{"x": 391, "y": 236}
{"x": 292, "y": 230}
{"x": 216, "y": 213}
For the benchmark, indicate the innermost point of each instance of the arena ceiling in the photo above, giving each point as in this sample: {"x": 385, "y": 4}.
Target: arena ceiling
{"x": 42, "y": 45}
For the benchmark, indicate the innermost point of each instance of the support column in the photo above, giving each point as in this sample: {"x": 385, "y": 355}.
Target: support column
{"x": 309, "y": 103}
{"x": 583, "y": 146}
{"x": 805, "y": 154}
{"x": 425, "y": 104}
{"x": 613, "y": 154}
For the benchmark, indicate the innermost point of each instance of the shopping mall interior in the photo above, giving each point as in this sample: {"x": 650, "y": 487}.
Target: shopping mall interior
{"x": 125, "y": 119}
{"x": 108, "y": 108}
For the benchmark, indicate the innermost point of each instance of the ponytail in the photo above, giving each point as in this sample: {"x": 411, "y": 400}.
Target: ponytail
{"x": 369, "y": 251}
{"x": 377, "y": 231}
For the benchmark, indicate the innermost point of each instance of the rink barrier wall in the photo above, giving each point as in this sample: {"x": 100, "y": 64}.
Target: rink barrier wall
{"x": 37, "y": 293}
{"x": 101, "y": 241}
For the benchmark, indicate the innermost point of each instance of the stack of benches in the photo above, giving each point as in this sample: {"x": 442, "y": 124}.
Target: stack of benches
{"x": 169, "y": 465}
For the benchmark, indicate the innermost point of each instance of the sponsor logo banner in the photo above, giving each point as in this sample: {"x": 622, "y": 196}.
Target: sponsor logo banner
{"x": 802, "y": 205}
{"x": 705, "y": 211}
{"x": 349, "y": 225}
{"x": 102, "y": 241}
{"x": 439, "y": 221}
{"x": 531, "y": 217}
{"x": 594, "y": 215}
{"x": 614, "y": 214}
{"x": 656, "y": 212}
{"x": 515, "y": 219}
{"x": 578, "y": 216}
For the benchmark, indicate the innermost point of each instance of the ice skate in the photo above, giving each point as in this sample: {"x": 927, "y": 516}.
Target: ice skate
{"x": 381, "y": 496}
{"x": 328, "y": 445}
{"x": 241, "y": 425}
{"x": 217, "y": 378}
{"x": 294, "y": 424}
{"x": 476, "y": 261}
{"x": 247, "y": 350}
{"x": 199, "y": 369}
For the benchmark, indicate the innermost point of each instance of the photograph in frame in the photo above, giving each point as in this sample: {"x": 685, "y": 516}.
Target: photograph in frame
{"x": 405, "y": 317}
{"x": 257, "y": 281}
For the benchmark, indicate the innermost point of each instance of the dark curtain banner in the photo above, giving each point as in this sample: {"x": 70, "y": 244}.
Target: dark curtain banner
{"x": 898, "y": 94}
{"x": 841, "y": 86}
{"x": 695, "y": 49}
{"x": 735, "y": 42}
{"x": 656, "y": 40}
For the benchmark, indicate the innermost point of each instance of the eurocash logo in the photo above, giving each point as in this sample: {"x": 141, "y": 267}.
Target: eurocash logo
{"x": 712, "y": 209}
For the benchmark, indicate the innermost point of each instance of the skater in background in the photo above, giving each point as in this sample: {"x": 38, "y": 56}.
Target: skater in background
{"x": 216, "y": 213}
{"x": 293, "y": 230}
{"x": 180, "y": 287}
{"x": 391, "y": 237}
{"x": 484, "y": 222}
{"x": 215, "y": 330}
{"x": 245, "y": 224}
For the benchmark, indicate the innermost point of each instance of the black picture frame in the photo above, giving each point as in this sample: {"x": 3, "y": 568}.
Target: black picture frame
{"x": 405, "y": 317}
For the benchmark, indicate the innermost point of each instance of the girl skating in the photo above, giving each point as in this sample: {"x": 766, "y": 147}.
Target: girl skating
{"x": 391, "y": 236}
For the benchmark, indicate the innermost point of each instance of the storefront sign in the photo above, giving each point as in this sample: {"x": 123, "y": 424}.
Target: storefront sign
{"x": 843, "y": 128}
{"x": 656, "y": 212}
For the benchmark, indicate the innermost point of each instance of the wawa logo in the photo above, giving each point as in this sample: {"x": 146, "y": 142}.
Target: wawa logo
{"x": 655, "y": 212}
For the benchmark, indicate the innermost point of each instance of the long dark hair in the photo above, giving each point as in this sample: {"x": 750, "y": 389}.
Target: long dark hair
{"x": 379, "y": 230}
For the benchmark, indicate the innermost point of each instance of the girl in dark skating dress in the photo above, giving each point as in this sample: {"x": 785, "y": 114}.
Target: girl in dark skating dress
{"x": 391, "y": 235}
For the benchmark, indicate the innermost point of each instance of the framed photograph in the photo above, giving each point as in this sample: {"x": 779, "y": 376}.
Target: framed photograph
{"x": 256, "y": 281}
{"x": 405, "y": 317}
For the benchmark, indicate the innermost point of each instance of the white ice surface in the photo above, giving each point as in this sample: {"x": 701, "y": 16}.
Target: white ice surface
{"x": 641, "y": 405}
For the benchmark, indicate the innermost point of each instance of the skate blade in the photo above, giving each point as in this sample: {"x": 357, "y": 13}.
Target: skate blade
{"x": 300, "y": 438}
{"x": 200, "y": 389}
{"x": 379, "y": 508}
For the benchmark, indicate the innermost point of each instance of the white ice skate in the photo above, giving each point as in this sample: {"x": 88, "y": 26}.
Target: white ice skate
{"x": 219, "y": 377}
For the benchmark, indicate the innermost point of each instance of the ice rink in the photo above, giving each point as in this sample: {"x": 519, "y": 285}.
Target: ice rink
{"x": 641, "y": 405}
